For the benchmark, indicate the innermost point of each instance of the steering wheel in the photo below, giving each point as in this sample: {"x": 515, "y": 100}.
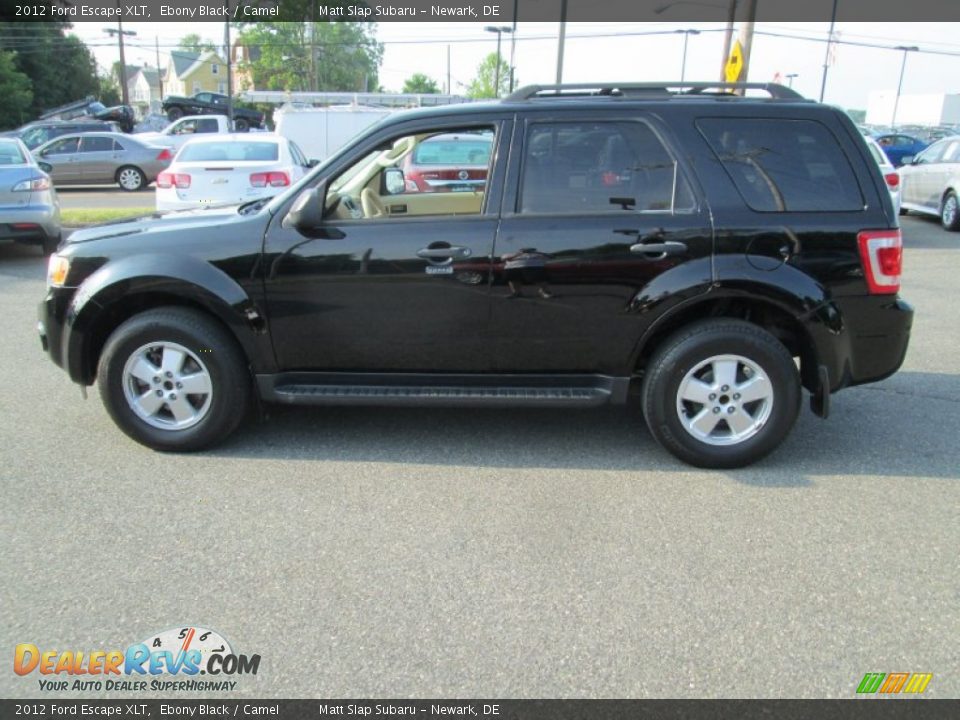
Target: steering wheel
{"x": 372, "y": 204}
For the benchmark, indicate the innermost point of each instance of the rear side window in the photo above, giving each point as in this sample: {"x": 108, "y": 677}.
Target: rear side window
{"x": 599, "y": 167}
{"x": 96, "y": 144}
{"x": 784, "y": 165}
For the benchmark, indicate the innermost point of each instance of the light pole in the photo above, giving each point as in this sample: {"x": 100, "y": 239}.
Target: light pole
{"x": 826, "y": 57}
{"x": 500, "y": 30}
{"x": 686, "y": 38}
{"x": 903, "y": 67}
{"x": 790, "y": 77}
{"x": 120, "y": 32}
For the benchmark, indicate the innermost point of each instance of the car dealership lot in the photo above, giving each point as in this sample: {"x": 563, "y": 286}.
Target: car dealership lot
{"x": 400, "y": 552}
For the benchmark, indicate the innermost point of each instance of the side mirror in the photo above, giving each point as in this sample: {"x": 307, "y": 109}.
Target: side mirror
{"x": 312, "y": 163}
{"x": 306, "y": 213}
{"x": 46, "y": 167}
{"x": 910, "y": 160}
{"x": 393, "y": 181}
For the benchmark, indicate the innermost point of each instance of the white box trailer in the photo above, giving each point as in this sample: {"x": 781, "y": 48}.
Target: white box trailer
{"x": 320, "y": 132}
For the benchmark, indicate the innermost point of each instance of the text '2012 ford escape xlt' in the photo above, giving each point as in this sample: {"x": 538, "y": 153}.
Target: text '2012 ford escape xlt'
{"x": 702, "y": 250}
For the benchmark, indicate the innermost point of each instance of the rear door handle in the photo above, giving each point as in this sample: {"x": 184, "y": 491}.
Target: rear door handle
{"x": 455, "y": 252}
{"x": 668, "y": 247}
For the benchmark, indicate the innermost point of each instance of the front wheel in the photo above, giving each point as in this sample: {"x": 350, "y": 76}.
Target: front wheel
{"x": 131, "y": 179}
{"x": 949, "y": 212}
{"x": 173, "y": 379}
{"x": 721, "y": 393}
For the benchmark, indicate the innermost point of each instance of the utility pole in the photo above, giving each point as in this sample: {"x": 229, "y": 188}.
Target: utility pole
{"x": 686, "y": 37}
{"x": 449, "y": 86}
{"x": 563, "y": 37}
{"x": 156, "y": 46}
{"x": 513, "y": 40}
{"x": 746, "y": 38}
{"x": 226, "y": 43}
{"x": 826, "y": 56}
{"x": 120, "y": 32}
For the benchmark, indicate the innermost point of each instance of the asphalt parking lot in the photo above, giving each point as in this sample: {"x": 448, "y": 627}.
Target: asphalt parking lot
{"x": 460, "y": 553}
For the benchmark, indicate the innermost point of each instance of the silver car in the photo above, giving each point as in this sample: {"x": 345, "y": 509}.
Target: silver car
{"x": 102, "y": 157}
{"x": 930, "y": 182}
{"x": 29, "y": 208}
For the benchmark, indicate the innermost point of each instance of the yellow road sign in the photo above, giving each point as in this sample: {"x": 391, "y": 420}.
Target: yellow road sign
{"x": 734, "y": 67}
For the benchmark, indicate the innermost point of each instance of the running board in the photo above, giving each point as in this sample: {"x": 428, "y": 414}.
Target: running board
{"x": 443, "y": 390}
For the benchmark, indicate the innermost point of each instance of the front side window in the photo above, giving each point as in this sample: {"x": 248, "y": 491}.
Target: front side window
{"x": 599, "y": 167}
{"x": 431, "y": 173}
{"x": 784, "y": 165}
{"x": 65, "y": 146}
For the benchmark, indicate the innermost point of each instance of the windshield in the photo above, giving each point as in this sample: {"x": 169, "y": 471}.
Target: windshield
{"x": 233, "y": 151}
{"x": 10, "y": 154}
{"x": 453, "y": 151}
{"x": 354, "y": 171}
{"x": 35, "y": 136}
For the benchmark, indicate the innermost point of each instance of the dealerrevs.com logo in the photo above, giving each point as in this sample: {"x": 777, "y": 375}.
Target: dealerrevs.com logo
{"x": 168, "y": 661}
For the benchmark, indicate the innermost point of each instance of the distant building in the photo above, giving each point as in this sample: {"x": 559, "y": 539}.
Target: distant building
{"x": 243, "y": 58}
{"x": 188, "y": 73}
{"x": 143, "y": 88}
{"x": 935, "y": 109}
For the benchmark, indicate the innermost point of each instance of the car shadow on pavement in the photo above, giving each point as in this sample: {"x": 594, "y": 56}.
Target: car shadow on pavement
{"x": 905, "y": 426}
{"x": 22, "y": 261}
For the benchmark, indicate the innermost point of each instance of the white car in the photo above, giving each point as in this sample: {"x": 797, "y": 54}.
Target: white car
{"x": 229, "y": 169}
{"x": 931, "y": 182}
{"x": 889, "y": 172}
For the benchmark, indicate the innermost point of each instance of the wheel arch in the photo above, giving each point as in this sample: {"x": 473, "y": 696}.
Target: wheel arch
{"x": 116, "y": 293}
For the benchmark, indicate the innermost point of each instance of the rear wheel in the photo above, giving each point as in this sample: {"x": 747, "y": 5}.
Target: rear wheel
{"x": 173, "y": 379}
{"x": 241, "y": 125}
{"x": 174, "y": 113}
{"x": 950, "y": 212}
{"x": 131, "y": 179}
{"x": 721, "y": 393}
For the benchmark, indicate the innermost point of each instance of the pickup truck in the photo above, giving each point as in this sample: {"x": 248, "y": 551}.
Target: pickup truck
{"x": 178, "y": 132}
{"x": 210, "y": 103}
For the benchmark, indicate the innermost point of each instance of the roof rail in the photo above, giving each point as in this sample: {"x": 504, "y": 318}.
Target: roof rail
{"x": 654, "y": 89}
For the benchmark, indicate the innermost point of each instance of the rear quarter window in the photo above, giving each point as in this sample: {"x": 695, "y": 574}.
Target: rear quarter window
{"x": 780, "y": 165}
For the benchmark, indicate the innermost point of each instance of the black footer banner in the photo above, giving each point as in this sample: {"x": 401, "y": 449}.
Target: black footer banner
{"x": 860, "y": 709}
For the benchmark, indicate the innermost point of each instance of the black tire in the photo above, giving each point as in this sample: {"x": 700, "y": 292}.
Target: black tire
{"x": 174, "y": 113}
{"x": 693, "y": 346}
{"x": 50, "y": 244}
{"x": 139, "y": 181}
{"x": 950, "y": 212}
{"x": 220, "y": 413}
{"x": 241, "y": 125}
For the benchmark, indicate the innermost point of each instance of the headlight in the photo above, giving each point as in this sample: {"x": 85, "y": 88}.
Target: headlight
{"x": 40, "y": 183}
{"x": 57, "y": 269}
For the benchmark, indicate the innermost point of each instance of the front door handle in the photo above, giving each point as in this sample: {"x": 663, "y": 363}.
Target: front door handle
{"x": 668, "y": 247}
{"x": 442, "y": 253}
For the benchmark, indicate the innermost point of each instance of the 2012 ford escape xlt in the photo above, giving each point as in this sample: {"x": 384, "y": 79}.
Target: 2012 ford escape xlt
{"x": 704, "y": 251}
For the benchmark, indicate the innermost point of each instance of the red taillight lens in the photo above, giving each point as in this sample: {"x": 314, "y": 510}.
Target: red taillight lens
{"x": 165, "y": 154}
{"x": 881, "y": 252}
{"x": 893, "y": 180}
{"x": 269, "y": 179}
{"x": 168, "y": 179}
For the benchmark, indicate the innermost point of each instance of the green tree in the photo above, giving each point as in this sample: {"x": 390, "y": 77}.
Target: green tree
{"x": 483, "y": 85}
{"x": 109, "y": 91}
{"x": 345, "y": 55}
{"x": 194, "y": 43}
{"x": 60, "y": 67}
{"x": 15, "y": 91}
{"x": 420, "y": 83}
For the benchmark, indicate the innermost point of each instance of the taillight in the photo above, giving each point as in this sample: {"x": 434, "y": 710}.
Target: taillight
{"x": 269, "y": 179}
{"x": 893, "y": 180}
{"x": 165, "y": 154}
{"x": 881, "y": 252}
{"x": 169, "y": 179}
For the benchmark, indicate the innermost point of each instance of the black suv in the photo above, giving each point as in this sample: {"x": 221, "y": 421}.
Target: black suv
{"x": 687, "y": 245}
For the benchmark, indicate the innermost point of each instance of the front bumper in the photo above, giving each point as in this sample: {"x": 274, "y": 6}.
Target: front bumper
{"x": 51, "y": 321}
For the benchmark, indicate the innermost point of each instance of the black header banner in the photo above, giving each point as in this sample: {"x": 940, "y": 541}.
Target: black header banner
{"x": 872, "y": 709}
{"x": 471, "y": 11}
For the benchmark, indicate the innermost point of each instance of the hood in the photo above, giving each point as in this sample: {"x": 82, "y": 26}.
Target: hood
{"x": 218, "y": 215}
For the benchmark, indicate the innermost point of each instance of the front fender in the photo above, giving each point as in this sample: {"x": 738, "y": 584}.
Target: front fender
{"x": 107, "y": 293}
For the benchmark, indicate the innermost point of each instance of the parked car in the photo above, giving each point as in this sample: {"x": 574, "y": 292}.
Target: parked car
{"x": 229, "y": 169}
{"x": 449, "y": 163}
{"x": 177, "y": 133}
{"x": 889, "y": 172}
{"x": 37, "y": 133}
{"x": 930, "y": 184}
{"x": 210, "y": 103}
{"x": 29, "y": 207}
{"x": 95, "y": 158}
{"x": 705, "y": 254}
{"x": 900, "y": 148}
